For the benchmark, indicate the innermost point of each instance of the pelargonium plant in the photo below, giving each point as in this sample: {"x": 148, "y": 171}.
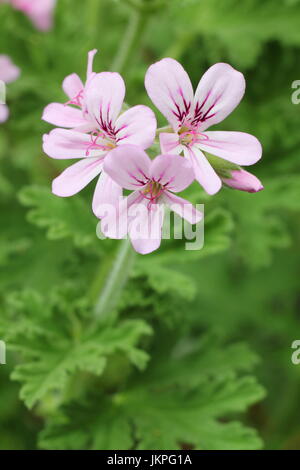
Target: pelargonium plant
{"x": 111, "y": 141}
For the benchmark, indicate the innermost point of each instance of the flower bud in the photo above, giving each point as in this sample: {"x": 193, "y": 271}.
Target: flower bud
{"x": 244, "y": 181}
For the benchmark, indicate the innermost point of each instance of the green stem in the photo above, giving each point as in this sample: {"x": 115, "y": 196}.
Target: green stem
{"x": 133, "y": 34}
{"x": 93, "y": 18}
{"x": 116, "y": 277}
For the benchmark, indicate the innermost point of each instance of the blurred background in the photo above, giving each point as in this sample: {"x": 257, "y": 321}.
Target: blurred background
{"x": 197, "y": 353}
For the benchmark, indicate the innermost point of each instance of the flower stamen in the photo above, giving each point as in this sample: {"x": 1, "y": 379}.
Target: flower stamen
{"x": 77, "y": 100}
{"x": 107, "y": 144}
{"x": 190, "y": 136}
{"x": 152, "y": 192}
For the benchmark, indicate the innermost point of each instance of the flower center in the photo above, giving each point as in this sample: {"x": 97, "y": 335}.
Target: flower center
{"x": 190, "y": 136}
{"x": 100, "y": 141}
{"x": 187, "y": 136}
{"x": 152, "y": 191}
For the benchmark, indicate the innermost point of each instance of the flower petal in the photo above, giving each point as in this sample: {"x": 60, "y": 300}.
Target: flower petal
{"x": 204, "y": 172}
{"x": 9, "y": 72}
{"x": 39, "y": 11}
{"x": 146, "y": 228}
{"x": 182, "y": 207}
{"x": 63, "y": 116}
{"x": 106, "y": 192}
{"x": 169, "y": 143}
{"x": 4, "y": 113}
{"x": 172, "y": 171}
{"x": 115, "y": 219}
{"x": 128, "y": 166}
{"x": 76, "y": 177}
{"x": 104, "y": 96}
{"x": 236, "y": 147}
{"x": 219, "y": 91}
{"x": 136, "y": 126}
{"x": 169, "y": 87}
{"x": 91, "y": 56}
{"x": 72, "y": 85}
{"x": 64, "y": 143}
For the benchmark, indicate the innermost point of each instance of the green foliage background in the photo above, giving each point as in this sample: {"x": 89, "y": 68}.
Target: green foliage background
{"x": 197, "y": 353}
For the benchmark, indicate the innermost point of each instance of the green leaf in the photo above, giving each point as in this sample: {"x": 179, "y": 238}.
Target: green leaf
{"x": 164, "y": 280}
{"x": 193, "y": 416}
{"x": 63, "y": 217}
{"x": 167, "y": 408}
{"x": 108, "y": 430}
{"x": 54, "y": 347}
{"x": 261, "y": 218}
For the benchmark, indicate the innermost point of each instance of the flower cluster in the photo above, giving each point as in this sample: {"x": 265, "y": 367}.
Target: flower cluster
{"x": 109, "y": 140}
{"x": 9, "y": 72}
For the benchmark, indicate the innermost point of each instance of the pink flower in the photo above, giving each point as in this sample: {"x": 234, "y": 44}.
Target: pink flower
{"x": 244, "y": 181}
{"x": 219, "y": 91}
{"x": 153, "y": 183}
{"x": 4, "y": 113}
{"x": 40, "y": 12}
{"x": 104, "y": 96}
{"x": 9, "y": 72}
{"x": 64, "y": 115}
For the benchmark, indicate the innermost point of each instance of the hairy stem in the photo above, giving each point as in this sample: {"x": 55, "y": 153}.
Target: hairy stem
{"x": 115, "y": 277}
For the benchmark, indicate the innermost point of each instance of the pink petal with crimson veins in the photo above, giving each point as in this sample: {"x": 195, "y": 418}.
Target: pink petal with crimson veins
{"x": 106, "y": 192}
{"x": 182, "y": 207}
{"x": 219, "y": 92}
{"x": 236, "y": 147}
{"x": 76, "y": 177}
{"x": 169, "y": 143}
{"x": 136, "y": 126}
{"x": 63, "y": 116}
{"x": 4, "y": 113}
{"x": 169, "y": 87}
{"x": 104, "y": 96}
{"x": 72, "y": 85}
{"x": 64, "y": 143}
{"x": 204, "y": 172}
{"x": 172, "y": 171}
{"x": 146, "y": 228}
{"x": 128, "y": 166}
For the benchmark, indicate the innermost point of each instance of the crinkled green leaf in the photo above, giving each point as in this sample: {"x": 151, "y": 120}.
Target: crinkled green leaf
{"x": 168, "y": 413}
{"x": 62, "y": 217}
{"x": 262, "y": 218}
{"x": 53, "y": 346}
